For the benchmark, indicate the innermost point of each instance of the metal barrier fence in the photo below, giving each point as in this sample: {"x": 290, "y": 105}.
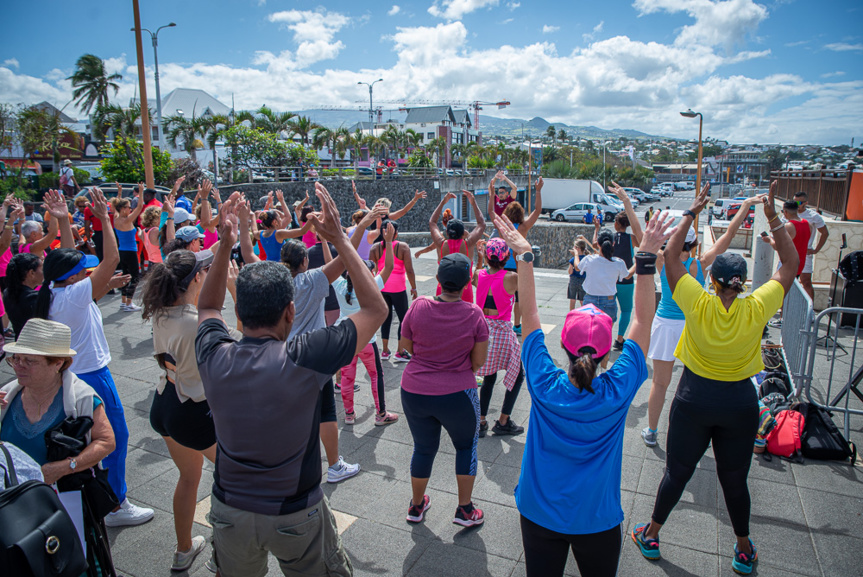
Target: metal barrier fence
{"x": 855, "y": 373}
{"x": 797, "y": 314}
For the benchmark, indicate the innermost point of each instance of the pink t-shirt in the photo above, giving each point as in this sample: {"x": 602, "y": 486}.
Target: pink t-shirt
{"x": 4, "y": 261}
{"x": 443, "y": 336}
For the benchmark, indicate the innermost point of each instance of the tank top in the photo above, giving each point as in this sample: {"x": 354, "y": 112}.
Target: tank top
{"x": 488, "y": 284}
{"x": 365, "y": 246}
{"x": 510, "y": 262}
{"x": 310, "y": 239}
{"x": 272, "y": 246}
{"x": 210, "y": 238}
{"x": 801, "y": 241}
{"x": 667, "y": 308}
{"x": 126, "y": 240}
{"x": 453, "y": 247}
{"x": 4, "y": 261}
{"x": 153, "y": 252}
{"x": 623, "y": 251}
{"x": 396, "y": 282}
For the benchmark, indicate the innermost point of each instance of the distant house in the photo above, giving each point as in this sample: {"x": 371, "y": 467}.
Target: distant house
{"x": 70, "y": 145}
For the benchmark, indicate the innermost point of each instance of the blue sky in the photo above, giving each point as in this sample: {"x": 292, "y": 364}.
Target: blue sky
{"x": 783, "y": 71}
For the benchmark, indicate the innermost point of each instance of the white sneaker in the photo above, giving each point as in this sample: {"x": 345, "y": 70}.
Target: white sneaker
{"x": 341, "y": 471}
{"x": 184, "y": 559}
{"x": 128, "y": 515}
{"x": 132, "y": 308}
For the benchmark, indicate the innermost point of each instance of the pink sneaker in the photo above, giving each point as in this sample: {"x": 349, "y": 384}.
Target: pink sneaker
{"x": 350, "y": 418}
{"x": 467, "y": 518}
{"x": 385, "y": 419}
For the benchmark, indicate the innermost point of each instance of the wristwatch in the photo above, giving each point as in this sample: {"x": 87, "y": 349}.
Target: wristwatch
{"x": 688, "y": 212}
{"x": 72, "y": 463}
{"x": 525, "y": 257}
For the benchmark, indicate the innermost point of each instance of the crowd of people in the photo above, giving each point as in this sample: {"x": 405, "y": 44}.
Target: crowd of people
{"x": 310, "y": 297}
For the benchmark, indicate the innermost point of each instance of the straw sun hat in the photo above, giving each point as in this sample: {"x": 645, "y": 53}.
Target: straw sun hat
{"x": 44, "y": 338}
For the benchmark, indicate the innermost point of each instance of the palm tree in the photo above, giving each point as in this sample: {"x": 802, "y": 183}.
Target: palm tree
{"x": 212, "y": 127}
{"x": 324, "y": 138}
{"x": 273, "y": 122}
{"x": 302, "y": 126}
{"x": 186, "y": 130}
{"x": 355, "y": 142}
{"x": 438, "y": 146}
{"x": 123, "y": 122}
{"x": 92, "y": 83}
{"x": 392, "y": 137}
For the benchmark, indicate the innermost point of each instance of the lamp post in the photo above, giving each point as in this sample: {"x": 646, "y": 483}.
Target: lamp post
{"x": 690, "y": 114}
{"x": 371, "y": 107}
{"x": 154, "y": 36}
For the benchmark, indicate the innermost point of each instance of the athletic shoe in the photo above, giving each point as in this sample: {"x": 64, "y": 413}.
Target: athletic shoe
{"x": 775, "y": 324}
{"x": 401, "y": 357}
{"x": 128, "y": 515}
{"x": 649, "y": 547}
{"x": 184, "y": 559}
{"x": 467, "y": 518}
{"x": 417, "y": 512}
{"x": 337, "y": 386}
{"x": 386, "y": 419}
{"x": 617, "y": 346}
{"x": 483, "y": 428}
{"x": 356, "y": 387}
{"x": 385, "y": 356}
{"x": 510, "y": 428}
{"x": 517, "y": 330}
{"x": 350, "y": 418}
{"x": 124, "y": 307}
{"x": 648, "y": 436}
{"x": 742, "y": 563}
{"x": 341, "y": 471}
{"x": 132, "y": 308}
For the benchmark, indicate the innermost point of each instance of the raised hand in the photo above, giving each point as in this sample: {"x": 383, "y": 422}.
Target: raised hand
{"x": 372, "y": 215}
{"x": 228, "y": 223}
{"x": 389, "y": 234}
{"x": 448, "y": 197}
{"x": 139, "y": 192}
{"x": 701, "y": 200}
{"x": 420, "y": 194}
{"x": 281, "y": 196}
{"x": 119, "y": 281}
{"x": 510, "y": 234}
{"x": 55, "y": 204}
{"x": 617, "y": 190}
{"x": 539, "y": 184}
{"x": 99, "y": 206}
{"x": 244, "y": 214}
{"x": 770, "y": 202}
{"x": 168, "y": 206}
{"x": 326, "y": 222}
{"x": 656, "y": 233}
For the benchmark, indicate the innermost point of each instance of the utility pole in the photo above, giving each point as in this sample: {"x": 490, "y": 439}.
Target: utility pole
{"x": 145, "y": 110}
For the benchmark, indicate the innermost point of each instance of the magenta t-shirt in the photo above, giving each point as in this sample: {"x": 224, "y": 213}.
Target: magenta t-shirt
{"x": 443, "y": 336}
{"x": 4, "y": 261}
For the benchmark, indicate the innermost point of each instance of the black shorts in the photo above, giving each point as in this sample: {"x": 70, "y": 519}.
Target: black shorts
{"x": 328, "y": 403}
{"x": 189, "y": 423}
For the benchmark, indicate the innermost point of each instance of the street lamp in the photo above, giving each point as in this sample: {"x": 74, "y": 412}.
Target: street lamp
{"x": 154, "y": 36}
{"x": 371, "y": 108}
{"x": 690, "y": 114}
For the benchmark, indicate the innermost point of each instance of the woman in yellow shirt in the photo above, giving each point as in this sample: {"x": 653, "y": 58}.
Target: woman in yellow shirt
{"x": 715, "y": 401}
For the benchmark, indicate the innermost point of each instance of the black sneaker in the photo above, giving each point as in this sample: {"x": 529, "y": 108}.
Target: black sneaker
{"x": 483, "y": 428}
{"x": 510, "y": 428}
{"x": 618, "y": 345}
{"x": 417, "y": 512}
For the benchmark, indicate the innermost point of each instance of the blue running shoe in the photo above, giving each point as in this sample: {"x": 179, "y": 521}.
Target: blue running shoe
{"x": 648, "y": 547}
{"x": 742, "y": 563}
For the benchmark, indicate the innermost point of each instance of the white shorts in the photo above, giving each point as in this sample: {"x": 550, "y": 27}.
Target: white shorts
{"x": 664, "y": 335}
{"x": 807, "y": 267}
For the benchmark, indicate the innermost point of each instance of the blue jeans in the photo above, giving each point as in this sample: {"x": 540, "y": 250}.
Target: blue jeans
{"x": 103, "y": 383}
{"x": 606, "y": 304}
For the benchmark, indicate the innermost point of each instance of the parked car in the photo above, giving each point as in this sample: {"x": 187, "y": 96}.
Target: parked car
{"x": 733, "y": 207}
{"x": 576, "y": 212}
{"x": 365, "y": 171}
{"x": 638, "y": 194}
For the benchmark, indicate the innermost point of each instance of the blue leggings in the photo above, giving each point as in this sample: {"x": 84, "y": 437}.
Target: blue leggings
{"x": 624, "y": 299}
{"x": 103, "y": 383}
{"x": 458, "y": 413}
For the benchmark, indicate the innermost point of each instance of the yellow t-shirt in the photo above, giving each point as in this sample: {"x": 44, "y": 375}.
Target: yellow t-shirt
{"x": 719, "y": 344}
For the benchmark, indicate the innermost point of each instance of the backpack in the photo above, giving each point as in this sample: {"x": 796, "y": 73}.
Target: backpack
{"x": 774, "y": 382}
{"x": 785, "y": 440}
{"x": 64, "y": 176}
{"x": 821, "y": 438}
{"x": 776, "y": 402}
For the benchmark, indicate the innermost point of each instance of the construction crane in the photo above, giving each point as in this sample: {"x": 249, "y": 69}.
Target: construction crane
{"x": 379, "y": 110}
{"x": 475, "y": 105}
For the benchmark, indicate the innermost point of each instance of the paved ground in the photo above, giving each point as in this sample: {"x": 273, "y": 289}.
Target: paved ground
{"x": 806, "y": 518}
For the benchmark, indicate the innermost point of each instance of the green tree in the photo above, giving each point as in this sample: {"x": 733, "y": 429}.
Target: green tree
{"x": 212, "y": 128}
{"x": 117, "y": 166}
{"x": 92, "y": 83}
{"x": 185, "y": 131}
{"x": 302, "y": 126}
{"x": 419, "y": 159}
{"x": 561, "y": 135}
{"x": 268, "y": 120}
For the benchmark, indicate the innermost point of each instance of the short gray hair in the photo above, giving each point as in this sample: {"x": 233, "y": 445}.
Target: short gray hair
{"x": 28, "y": 227}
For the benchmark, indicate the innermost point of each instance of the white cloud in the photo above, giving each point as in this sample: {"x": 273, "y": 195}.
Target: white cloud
{"x": 550, "y": 29}
{"x": 456, "y": 9}
{"x": 394, "y": 10}
{"x": 717, "y": 23}
{"x": 844, "y": 47}
{"x": 12, "y": 63}
{"x": 507, "y": 21}
{"x": 596, "y": 30}
{"x": 797, "y": 43}
{"x": 833, "y": 74}
{"x": 313, "y": 32}
{"x": 513, "y": 5}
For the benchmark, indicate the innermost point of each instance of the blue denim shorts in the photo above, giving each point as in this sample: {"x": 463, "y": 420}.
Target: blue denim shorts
{"x": 608, "y": 305}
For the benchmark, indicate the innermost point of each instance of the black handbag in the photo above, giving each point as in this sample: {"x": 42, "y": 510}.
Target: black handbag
{"x": 37, "y": 536}
{"x": 821, "y": 439}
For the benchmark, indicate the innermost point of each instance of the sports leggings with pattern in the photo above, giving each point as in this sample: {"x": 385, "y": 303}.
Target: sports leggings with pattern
{"x": 371, "y": 359}
{"x": 458, "y": 413}
{"x": 399, "y": 301}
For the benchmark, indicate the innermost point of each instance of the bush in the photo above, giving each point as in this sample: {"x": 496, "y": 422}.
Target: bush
{"x": 124, "y": 162}
{"x": 49, "y": 180}
{"x": 10, "y": 186}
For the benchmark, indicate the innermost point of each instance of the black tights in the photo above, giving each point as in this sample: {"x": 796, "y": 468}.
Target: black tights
{"x": 399, "y": 301}
{"x": 691, "y": 428}
{"x": 545, "y": 551}
{"x": 129, "y": 266}
{"x": 508, "y": 399}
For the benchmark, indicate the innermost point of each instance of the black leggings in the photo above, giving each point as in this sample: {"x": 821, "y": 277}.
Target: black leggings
{"x": 129, "y": 266}
{"x": 98, "y": 243}
{"x": 508, "y": 398}
{"x": 545, "y": 551}
{"x": 400, "y": 302}
{"x": 692, "y": 427}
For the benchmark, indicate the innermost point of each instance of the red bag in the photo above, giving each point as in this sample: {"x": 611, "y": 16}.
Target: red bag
{"x": 785, "y": 440}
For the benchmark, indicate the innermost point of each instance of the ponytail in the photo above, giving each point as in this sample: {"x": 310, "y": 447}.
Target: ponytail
{"x": 582, "y": 368}
{"x": 162, "y": 283}
{"x": 58, "y": 263}
{"x": 293, "y": 254}
{"x": 606, "y": 243}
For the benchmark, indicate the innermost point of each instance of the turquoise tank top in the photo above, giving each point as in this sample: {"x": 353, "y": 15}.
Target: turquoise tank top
{"x": 667, "y": 308}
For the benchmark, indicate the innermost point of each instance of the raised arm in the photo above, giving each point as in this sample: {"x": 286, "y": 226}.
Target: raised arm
{"x": 43, "y": 243}
{"x": 389, "y": 261}
{"x": 360, "y": 200}
{"x": 110, "y": 256}
{"x": 645, "y": 288}
{"x": 244, "y": 218}
{"x": 404, "y": 210}
{"x": 175, "y": 190}
{"x": 55, "y": 204}
{"x": 286, "y": 233}
{"x": 212, "y": 295}
{"x": 526, "y": 287}
{"x": 479, "y": 230}
{"x": 537, "y": 208}
{"x": 781, "y": 242}
{"x": 16, "y": 214}
{"x": 724, "y": 241}
{"x": 170, "y": 229}
{"x": 299, "y": 209}
{"x": 136, "y": 212}
{"x": 630, "y": 211}
{"x": 436, "y": 236}
{"x": 674, "y": 268}
{"x": 370, "y": 216}
{"x": 373, "y": 310}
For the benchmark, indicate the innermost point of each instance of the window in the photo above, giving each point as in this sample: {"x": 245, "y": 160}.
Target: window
{"x": 431, "y": 135}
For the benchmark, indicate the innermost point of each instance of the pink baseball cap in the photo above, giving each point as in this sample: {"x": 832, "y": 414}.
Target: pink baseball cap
{"x": 587, "y": 326}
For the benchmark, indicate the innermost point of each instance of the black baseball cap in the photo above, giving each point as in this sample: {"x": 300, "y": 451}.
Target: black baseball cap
{"x": 453, "y": 272}
{"x": 455, "y": 229}
{"x": 727, "y": 267}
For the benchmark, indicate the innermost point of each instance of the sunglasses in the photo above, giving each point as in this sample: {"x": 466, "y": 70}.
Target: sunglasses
{"x": 15, "y": 360}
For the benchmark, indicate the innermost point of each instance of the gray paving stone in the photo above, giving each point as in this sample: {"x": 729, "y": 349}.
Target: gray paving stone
{"x": 676, "y": 561}
{"x": 159, "y": 491}
{"x": 498, "y": 485}
{"x": 449, "y": 560}
{"x": 831, "y": 514}
{"x": 701, "y": 489}
{"x": 830, "y": 476}
{"x": 689, "y": 525}
{"x": 377, "y": 549}
{"x": 838, "y": 556}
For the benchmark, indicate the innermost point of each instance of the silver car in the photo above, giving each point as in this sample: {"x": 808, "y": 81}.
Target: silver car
{"x": 576, "y": 212}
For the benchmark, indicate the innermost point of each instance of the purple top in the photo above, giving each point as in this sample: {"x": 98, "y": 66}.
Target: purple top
{"x": 443, "y": 336}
